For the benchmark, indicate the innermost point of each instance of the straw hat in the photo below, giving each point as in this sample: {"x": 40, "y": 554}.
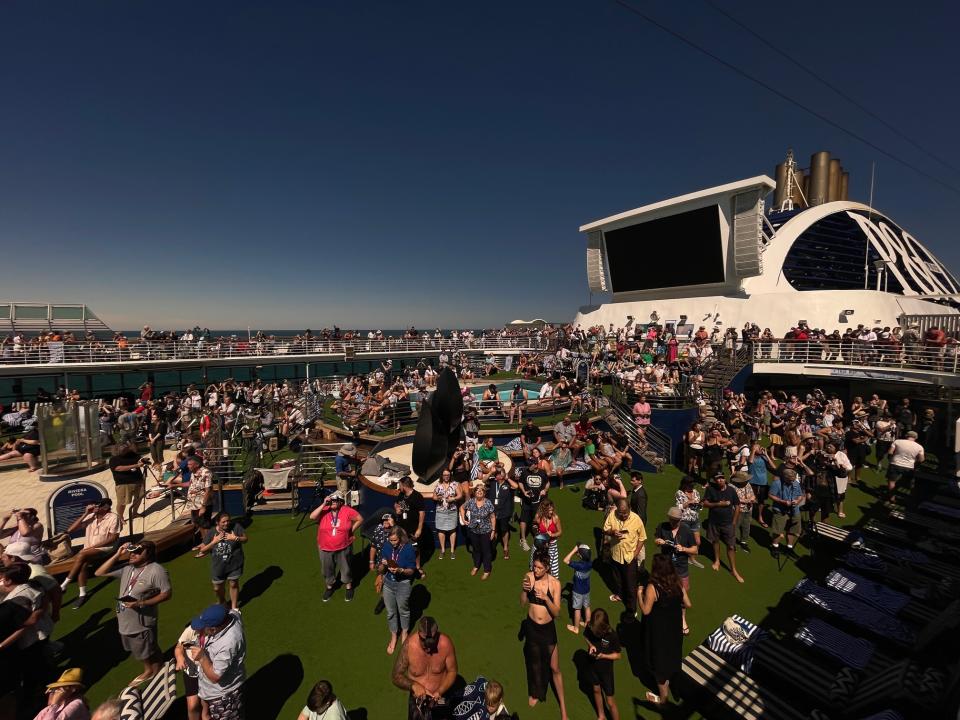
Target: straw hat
{"x": 70, "y": 677}
{"x": 348, "y": 449}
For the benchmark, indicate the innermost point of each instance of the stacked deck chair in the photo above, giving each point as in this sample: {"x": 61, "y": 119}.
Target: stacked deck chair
{"x": 911, "y": 536}
{"x": 930, "y": 524}
{"x": 950, "y": 512}
{"x": 867, "y": 617}
{"x": 736, "y": 694}
{"x": 937, "y": 591}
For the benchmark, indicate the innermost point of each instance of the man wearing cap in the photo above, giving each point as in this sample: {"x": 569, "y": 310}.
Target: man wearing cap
{"x": 336, "y": 526}
{"x": 144, "y": 584}
{"x": 676, "y": 539}
{"x": 346, "y": 467}
{"x": 786, "y": 497}
{"x": 220, "y": 657}
{"x": 905, "y": 455}
{"x": 378, "y": 538}
{"x": 724, "y": 513}
{"x": 127, "y": 465}
{"x": 102, "y": 529}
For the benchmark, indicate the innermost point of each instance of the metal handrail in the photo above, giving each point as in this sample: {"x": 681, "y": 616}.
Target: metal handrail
{"x": 859, "y": 354}
{"x": 57, "y": 353}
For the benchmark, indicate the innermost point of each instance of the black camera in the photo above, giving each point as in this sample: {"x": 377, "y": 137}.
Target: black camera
{"x": 146, "y": 461}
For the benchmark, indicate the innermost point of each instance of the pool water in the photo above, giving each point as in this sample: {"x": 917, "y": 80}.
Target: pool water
{"x": 505, "y": 389}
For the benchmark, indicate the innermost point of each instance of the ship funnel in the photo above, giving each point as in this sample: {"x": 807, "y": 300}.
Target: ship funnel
{"x": 833, "y": 182}
{"x": 819, "y": 185}
{"x": 845, "y": 186}
{"x": 780, "y": 175}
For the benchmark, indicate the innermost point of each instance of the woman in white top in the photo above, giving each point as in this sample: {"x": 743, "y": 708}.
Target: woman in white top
{"x": 322, "y": 704}
{"x": 447, "y": 495}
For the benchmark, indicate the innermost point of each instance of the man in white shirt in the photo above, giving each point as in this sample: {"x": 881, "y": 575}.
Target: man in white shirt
{"x": 905, "y": 455}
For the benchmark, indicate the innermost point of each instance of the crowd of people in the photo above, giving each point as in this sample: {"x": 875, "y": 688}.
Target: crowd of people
{"x": 770, "y": 459}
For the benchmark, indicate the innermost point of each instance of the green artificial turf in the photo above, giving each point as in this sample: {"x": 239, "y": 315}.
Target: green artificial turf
{"x": 295, "y": 639}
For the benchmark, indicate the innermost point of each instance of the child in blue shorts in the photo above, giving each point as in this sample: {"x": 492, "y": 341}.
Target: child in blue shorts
{"x": 582, "y": 567}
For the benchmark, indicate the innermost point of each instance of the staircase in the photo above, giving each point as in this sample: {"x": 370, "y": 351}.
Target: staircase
{"x": 717, "y": 377}
{"x": 656, "y": 450}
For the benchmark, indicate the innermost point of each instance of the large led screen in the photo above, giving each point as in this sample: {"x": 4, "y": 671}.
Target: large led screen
{"x": 682, "y": 249}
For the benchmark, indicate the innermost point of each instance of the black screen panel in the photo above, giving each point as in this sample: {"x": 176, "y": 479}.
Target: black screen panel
{"x": 682, "y": 249}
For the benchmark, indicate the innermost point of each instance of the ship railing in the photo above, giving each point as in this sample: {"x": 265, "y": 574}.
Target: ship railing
{"x": 901, "y": 356}
{"x": 56, "y": 353}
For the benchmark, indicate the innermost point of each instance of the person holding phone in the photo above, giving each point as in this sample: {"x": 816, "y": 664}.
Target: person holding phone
{"x": 144, "y": 584}
{"x": 224, "y": 542}
{"x": 624, "y": 532}
{"x": 397, "y": 567}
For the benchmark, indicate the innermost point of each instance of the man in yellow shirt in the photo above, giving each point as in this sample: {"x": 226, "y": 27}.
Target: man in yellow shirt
{"x": 624, "y": 532}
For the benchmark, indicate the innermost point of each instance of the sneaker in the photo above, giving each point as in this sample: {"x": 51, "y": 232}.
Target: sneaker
{"x": 80, "y": 602}
{"x": 380, "y": 607}
{"x": 775, "y": 551}
{"x": 696, "y": 563}
{"x": 745, "y": 547}
{"x": 790, "y": 552}
{"x": 524, "y": 545}
{"x": 453, "y": 556}
{"x": 349, "y": 595}
{"x": 327, "y": 594}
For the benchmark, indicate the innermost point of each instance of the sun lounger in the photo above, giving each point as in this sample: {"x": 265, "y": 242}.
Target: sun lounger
{"x": 847, "y": 649}
{"x": 945, "y": 529}
{"x": 880, "y": 596}
{"x": 736, "y": 692}
{"x": 855, "y": 612}
{"x": 940, "y": 509}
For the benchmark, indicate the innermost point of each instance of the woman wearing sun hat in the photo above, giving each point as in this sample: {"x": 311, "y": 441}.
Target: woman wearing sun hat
{"x": 65, "y": 699}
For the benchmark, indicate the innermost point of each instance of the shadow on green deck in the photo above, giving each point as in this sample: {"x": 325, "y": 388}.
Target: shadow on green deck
{"x": 294, "y": 639}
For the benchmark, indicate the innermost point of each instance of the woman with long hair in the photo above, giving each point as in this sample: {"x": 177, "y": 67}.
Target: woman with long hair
{"x": 662, "y": 602}
{"x": 547, "y": 522}
{"x": 447, "y": 494}
{"x": 540, "y": 595}
{"x": 603, "y": 646}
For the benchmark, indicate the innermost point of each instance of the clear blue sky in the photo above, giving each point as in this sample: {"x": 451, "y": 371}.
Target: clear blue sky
{"x": 295, "y": 164}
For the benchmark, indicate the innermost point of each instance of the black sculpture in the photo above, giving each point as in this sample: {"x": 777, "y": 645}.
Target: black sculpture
{"x": 438, "y": 430}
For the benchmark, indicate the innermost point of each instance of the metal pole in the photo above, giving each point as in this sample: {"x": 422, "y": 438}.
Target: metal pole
{"x": 866, "y": 254}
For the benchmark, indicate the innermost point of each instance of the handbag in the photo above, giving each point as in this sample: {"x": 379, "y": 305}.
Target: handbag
{"x": 59, "y": 547}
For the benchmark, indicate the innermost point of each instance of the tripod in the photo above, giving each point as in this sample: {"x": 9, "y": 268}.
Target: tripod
{"x": 319, "y": 493}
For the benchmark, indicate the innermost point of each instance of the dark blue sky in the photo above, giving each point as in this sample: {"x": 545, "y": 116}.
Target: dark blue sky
{"x": 299, "y": 164}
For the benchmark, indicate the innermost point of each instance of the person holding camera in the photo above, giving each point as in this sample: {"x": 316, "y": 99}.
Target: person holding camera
{"x": 102, "y": 528}
{"x": 27, "y": 528}
{"x": 224, "y": 541}
{"x": 127, "y": 466}
{"x": 144, "y": 584}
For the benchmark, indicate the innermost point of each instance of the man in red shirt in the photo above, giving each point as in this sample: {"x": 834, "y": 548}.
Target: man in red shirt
{"x": 336, "y": 526}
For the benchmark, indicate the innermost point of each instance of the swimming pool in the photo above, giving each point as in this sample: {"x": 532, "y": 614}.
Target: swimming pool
{"x": 505, "y": 389}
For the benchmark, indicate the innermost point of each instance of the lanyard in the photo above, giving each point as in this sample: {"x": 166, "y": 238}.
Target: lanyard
{"x": 133, "y": 580}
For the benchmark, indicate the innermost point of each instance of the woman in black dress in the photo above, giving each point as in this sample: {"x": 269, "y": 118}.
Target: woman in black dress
{"x": 662, "y": 602}
{"x": 604, "y": 647}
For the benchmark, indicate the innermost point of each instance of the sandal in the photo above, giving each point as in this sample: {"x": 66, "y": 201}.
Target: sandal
{"x": 653, "y": 698}
{"x": 200, "y": 555}
{"x": 615, "y": 598}
{"x": 686, "y": 630}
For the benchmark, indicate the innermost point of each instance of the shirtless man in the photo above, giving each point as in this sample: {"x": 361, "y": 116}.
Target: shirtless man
{"x": 426, "y": 666}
